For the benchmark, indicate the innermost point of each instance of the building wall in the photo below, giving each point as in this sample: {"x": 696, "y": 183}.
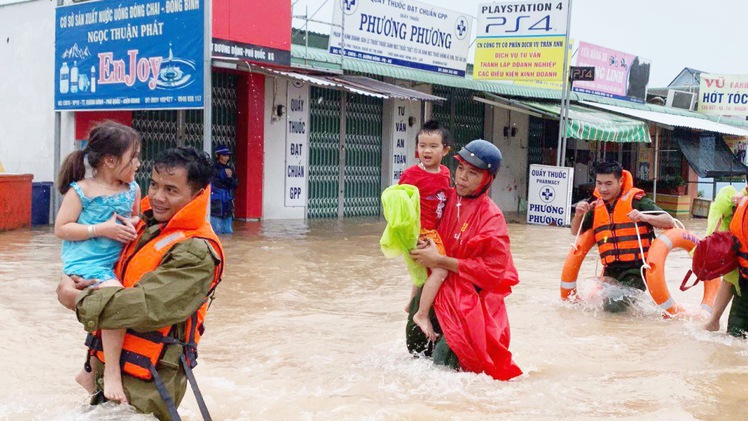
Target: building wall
{"x": 27, "y": 90}
{"x": 250, "y": 145}
{"x": 86, "y": 120}
{"x": 392, "y": 119}
{"x": 509, "y": 190}
{"x": 276, "y": 129}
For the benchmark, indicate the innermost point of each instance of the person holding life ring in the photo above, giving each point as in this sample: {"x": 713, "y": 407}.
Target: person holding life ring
{"x": 721, "y": 212}
{"x": 616, "y": 215}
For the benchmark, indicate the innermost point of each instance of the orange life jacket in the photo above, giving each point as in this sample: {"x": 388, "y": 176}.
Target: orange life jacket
{"x": 615, "y": 232}
{"x": 738, "y": 229}
{"x": 141, "y": 351}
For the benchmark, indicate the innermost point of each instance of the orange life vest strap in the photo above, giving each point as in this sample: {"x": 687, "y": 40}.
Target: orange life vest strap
{"x": 95, "y": 344}
{"x": 737, "y": 228}
{"x": 624, "y": 252}
{"x": 623, "y": 225}
{"x": 618, "y": 237}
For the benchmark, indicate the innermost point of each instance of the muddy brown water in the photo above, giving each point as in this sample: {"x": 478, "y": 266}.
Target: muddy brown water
{"x": 308, "y": 325}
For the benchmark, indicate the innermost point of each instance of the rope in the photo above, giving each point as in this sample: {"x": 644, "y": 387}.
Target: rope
{"x": 574, "y": 245}
{"x": 676, "y": 222}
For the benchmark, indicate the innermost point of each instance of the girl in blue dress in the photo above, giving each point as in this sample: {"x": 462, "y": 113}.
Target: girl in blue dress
{"x": 96, "y": 218}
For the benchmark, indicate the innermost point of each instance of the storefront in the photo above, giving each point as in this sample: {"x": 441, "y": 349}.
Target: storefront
{"x": 593, "y": 136}
{"x": 237, "y": 98}
{"x": 360, "y": 135}
{"x": 684, "y": 139}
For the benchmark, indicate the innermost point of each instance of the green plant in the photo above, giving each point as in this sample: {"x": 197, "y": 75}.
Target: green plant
{"x": 671, "y": 182}
{"x": 700, "y": 193}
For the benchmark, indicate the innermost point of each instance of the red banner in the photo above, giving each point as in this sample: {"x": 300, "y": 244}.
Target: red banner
{"x": 255, "y": 30}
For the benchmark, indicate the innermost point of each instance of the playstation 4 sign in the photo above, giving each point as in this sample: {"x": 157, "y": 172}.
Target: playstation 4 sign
{"x": 403, "y": 33}
{"x": 583, "y": 73}
{"x": 131, "y": 54}
{"x": 549, "y": 195}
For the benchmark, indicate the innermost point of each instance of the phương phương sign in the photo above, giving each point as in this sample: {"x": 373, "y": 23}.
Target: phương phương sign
{"x": 404, "y": 33}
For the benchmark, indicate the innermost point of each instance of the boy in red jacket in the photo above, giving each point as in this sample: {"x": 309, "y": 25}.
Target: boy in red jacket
{"x": 432, "y": 180}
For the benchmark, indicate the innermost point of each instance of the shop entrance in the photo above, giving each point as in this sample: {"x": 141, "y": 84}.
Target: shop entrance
{"x": 462, "y": 115}
{"x": 163, "y": 129}
{"x": 345, "y": 149}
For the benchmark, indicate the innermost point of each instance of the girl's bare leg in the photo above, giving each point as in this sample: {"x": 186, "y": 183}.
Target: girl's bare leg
{"x": 112, "y": 343}
{"x": 87, "y": 380}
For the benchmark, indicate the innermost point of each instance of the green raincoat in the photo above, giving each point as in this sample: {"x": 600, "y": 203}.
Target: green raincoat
{"x": 402, "y": 210}
{"x": 737, "y": 320}
{"x": 720, "y": 215}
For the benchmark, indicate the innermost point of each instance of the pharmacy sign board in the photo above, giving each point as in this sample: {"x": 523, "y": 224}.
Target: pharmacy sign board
{"x": 549, "y": 195}
{"x": 403, "y": 33}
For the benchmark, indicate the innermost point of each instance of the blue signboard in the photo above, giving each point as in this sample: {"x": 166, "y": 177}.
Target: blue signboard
{"x": 129, "y": 54}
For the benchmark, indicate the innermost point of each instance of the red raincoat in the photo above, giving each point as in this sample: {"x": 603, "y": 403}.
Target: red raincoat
{"x": 475, "y": 324}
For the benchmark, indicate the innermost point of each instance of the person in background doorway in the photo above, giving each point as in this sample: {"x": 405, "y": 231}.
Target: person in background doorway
{"x": 581, "y": 169}
{"x": 616, "y": 217}
{"x": 222, "y": 188}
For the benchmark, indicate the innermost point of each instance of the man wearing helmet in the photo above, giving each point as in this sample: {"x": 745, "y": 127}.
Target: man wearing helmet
{"x": 469, "y": 310}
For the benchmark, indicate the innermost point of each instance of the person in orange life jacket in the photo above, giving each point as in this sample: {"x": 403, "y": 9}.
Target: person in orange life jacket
{"x": 618, "y": 206}
{"x": 168, "y": 272}
{"x": 469, "y": 309}
{"x": 432, "y": 180}
{"x": 222, "y": 188}
{"x": 720, "y": 216}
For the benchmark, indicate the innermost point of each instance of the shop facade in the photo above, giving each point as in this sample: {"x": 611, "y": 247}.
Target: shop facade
{"x": 312, "y": 141}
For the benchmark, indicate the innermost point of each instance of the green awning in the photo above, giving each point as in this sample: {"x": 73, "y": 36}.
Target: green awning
{"x": 320, "y": 59}
{"x": 316, "y": 58}
{"x": 589, "y": 124}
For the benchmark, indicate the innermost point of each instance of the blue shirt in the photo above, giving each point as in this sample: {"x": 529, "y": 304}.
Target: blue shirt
{"x": 95, "y": 258}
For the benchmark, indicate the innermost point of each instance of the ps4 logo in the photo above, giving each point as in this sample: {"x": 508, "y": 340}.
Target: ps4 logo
{"x": 499, "y": 24}
{"x": 349, "y": 6}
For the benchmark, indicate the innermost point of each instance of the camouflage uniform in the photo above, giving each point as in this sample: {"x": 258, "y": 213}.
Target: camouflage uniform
{"x": 166, "y": 296}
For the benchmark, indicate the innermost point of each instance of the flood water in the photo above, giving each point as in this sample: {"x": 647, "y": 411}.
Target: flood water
{"x": 309, "y": 325}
